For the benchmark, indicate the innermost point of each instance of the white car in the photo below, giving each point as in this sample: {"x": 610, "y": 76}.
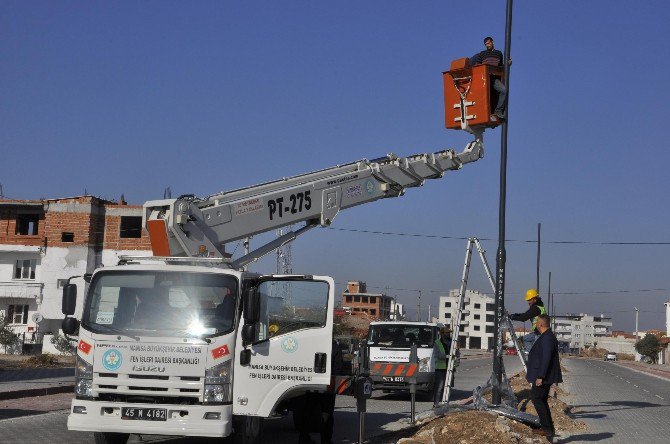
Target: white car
{"x": 610, "y": 356}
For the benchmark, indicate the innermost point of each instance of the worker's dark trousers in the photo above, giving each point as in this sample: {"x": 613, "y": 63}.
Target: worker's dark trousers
{"x": 539, "y": 396}
{"x": 502, "y": 94}
{"x": 438, "y": 384}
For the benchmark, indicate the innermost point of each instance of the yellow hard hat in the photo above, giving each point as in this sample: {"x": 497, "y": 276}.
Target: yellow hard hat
{"x": 531, "y": 294}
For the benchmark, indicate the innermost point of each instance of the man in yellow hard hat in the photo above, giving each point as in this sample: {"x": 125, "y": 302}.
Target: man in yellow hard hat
{"x": 535, "y": 309}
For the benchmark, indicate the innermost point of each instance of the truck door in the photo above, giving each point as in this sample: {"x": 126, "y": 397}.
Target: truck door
{"x": 291, "y": 352}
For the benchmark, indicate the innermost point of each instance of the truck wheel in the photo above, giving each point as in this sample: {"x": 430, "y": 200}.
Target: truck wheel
{"x": 248, "y": 430}
{"x": 111, "y": 438}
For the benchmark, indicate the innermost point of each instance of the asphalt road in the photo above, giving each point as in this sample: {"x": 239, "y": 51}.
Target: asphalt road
{"x": 385, "y": 412}
{"x": 619, "y": 405}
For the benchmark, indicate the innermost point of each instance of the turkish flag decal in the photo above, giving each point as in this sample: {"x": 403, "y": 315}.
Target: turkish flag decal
{"x": 85, "y": 347}
{"x": 220, "y": 352}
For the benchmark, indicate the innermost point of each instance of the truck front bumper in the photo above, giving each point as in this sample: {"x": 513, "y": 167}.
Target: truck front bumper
{"x": 182, "y": 420}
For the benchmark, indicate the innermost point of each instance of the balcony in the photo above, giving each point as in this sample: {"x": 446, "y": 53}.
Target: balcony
{"x": 21, "y": 290}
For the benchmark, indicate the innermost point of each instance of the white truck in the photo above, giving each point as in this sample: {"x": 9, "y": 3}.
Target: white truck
{"x": 189, "y": 343}
{"x": 391, "y": 342}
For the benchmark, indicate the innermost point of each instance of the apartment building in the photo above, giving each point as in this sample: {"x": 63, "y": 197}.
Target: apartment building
{"x": 477, "y": 320}
{"x": 577, "y": 331}
{"x": 356, "y": 300}
{"x": 45, "y": 242}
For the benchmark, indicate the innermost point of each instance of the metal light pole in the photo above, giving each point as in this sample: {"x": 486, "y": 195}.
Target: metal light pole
{"x": 418, "y": 308}
{"x": 637, "y": 317}
{"x": 501, "y": 255}
{"x": 537, "y": 271}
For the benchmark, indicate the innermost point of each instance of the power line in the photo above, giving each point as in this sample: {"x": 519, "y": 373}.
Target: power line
{"x": 414, "y": 290}
{"x": 527, "y": 241}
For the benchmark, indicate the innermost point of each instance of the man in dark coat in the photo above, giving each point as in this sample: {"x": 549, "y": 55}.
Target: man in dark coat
{"x": 544, "y": 369}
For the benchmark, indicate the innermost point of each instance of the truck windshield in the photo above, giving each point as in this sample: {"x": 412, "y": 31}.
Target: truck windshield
{"x": 401, "y": 335}
{"x": 157, "y": 303}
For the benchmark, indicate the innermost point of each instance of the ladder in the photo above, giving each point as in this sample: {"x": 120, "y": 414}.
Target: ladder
{"x": 506, "y": 323}
{"x": 457, "y": 323}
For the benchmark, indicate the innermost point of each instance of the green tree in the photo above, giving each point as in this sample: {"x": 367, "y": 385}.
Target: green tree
{"x": 7, "y": 336}
{"x": 649, "y": 346}
{"x": 64, "y": 344}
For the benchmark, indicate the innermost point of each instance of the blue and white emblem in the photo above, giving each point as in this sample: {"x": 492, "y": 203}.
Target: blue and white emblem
{"x": 112, "y": 359}
{"x": 289, "y": 345}
{"x": 369, "y": 187}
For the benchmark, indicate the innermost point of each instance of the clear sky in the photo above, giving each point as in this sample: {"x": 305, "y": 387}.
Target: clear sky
{"x": 131, "y": 97}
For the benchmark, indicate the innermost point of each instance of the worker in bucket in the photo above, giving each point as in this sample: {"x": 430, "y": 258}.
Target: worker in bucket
{"x": 441, "y": 349}
{"x": 535, "y": 309}
{"x": 492, "y": 56}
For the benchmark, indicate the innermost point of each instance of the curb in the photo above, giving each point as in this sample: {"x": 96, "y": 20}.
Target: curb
{"x": 27, "y": 393}
{"x": 645, "y": 370}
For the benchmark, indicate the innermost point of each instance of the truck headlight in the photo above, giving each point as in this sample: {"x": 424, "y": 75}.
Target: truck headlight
{"x": 424, "y": 365}
{"x": 83, "y": 370}
{"x": 219, "y": 374}
{"x": 217, "y": 383}
{"x": 84, "y": 387}
{"x": 217, "y": 393}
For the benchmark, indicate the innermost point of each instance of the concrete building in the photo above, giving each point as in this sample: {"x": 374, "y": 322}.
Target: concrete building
{"x": 478, "y": 318}
{"x": 45, "y": 242}
{"x": 578, "y": 331}
{"x": 618, "y": 342}
{"x": 397, "y": 311}
{"x": 357, "y": 300}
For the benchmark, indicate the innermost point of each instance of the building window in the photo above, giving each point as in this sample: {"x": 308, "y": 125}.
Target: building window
{"x": 357, "y": 299}
{"x": 477, "y": 328}
{"x": 478, "y": 306}
{"x": 26, "y": 224}
{"x": 489, "y": 329}
{"x": 477, "y": 317}
{"x": 489, "y": 318}
{"x": 131, "y": 227}
{"x": 66, "y": 237}
{"x": 373, "y": 311}
{"x": 447, "y": 315}
{"x": 490, "y": 307}
{"x": 17, "y": 314}
{"x": 60, "y": 283}
{"x": 347, "y": 298}
{"x": 25, "y": 269}
{"x": 365, "y": 299}
{"x": 447, "y": 304}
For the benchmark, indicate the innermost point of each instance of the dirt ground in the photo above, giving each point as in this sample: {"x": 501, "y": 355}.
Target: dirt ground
{"x": 476, "y": 426}
{"x": 46, "y": 360}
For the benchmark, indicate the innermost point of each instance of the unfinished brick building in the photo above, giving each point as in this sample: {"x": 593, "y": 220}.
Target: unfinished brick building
{"x": 44, "y": 242}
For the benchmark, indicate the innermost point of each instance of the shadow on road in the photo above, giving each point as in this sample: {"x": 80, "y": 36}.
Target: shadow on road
{"x": 617, "y": 405}
{"x": 588, "y": 437}
{"x": 17, "y": 413}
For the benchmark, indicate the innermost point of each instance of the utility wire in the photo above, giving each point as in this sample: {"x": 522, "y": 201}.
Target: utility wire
{"x": 414, "y": 290}
{"x": 527, "y": 241}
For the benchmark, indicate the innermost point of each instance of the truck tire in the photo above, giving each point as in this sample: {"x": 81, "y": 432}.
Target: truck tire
{"x": 247, "y": 430}
{"x": 111, "y": 438}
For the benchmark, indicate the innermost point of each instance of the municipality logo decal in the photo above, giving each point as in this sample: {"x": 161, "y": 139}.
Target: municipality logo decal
{"x": 112, "y": 359}
{"x": 289, "y": 345}
{"x": 369, "y": 187}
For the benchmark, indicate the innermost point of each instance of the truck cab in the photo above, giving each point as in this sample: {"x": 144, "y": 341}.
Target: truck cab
{"x": 196, "y": 350}
{"x": 391, "y": 343}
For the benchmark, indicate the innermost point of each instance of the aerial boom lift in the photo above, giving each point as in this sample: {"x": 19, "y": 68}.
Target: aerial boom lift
{"x": 193, "y": 227}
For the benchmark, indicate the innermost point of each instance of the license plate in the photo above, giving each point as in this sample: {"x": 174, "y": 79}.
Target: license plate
{"x": 393, "y": 378}
{"x": 144, "y": 414}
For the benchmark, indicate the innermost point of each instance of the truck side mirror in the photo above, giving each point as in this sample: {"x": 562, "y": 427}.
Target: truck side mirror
{"x": 245, "y": 357}
{"x": 69, "y": 299}
{"x": 70, "y": 326}
{"x": 251, "y": 306}
{"x": 248, "y": 334}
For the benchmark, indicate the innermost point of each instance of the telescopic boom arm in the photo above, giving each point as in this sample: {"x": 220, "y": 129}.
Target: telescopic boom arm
{"x": 189, "y": 226}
